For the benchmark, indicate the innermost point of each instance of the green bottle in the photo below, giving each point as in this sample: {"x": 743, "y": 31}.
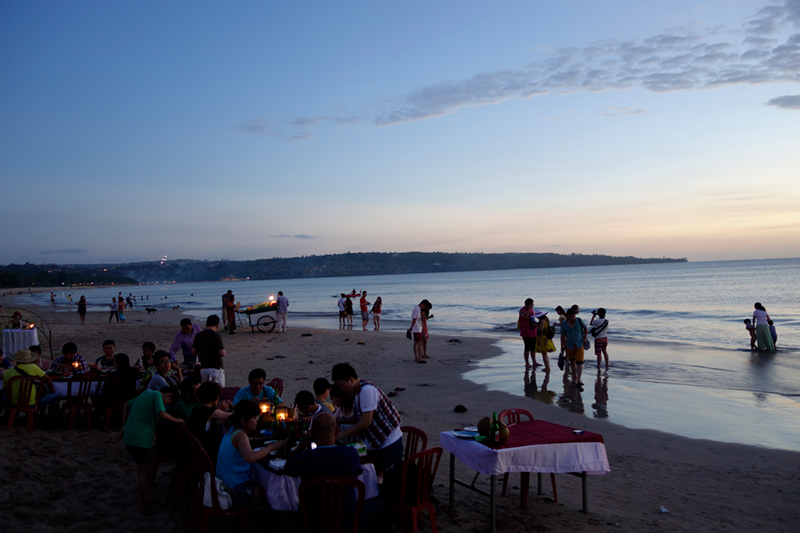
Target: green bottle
{"x": 494, "y": 431}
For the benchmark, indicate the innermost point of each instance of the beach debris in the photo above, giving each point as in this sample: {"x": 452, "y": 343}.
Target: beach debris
{"x": 391, "y": 394}
{"x": 454, "y": 341}
{"x": 460, "y": 409}
{"x": 399, "y": 389}
{"x": 361, "y": 342}
{"x": 306, "y": 335}
{"x": 280, "y": 357}
{"x": 424, "y": 385}
{"x": 667, "y": 447}
{"x": 662, "y": 510}
{"x": 346, "y": 340}
{"x": 311, "y": 362}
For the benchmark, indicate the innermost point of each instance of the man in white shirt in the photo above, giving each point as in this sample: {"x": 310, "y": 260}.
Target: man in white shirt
{"x": 600, "y": 330}
{"x": 342, "y": 311}
{"x": 283, "y": 310}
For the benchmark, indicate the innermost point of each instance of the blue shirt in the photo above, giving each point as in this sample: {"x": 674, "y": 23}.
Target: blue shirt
{"x": 267, "y": 393}
{"x": 574, "y": 334}
{"x": 232, "y": 469}
{"x": 283, "y": 304}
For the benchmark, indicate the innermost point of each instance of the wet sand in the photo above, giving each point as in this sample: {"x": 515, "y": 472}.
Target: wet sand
{"x": 74, "y": 481}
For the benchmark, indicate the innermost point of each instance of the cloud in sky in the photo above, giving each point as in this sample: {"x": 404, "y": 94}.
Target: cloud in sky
{"x": 65, "y": 251}
{"x": 298, "y": 236}
{"x": 624, "y": 111}
{"x": 786, "y": 102}
{"x": 677, "y": 60}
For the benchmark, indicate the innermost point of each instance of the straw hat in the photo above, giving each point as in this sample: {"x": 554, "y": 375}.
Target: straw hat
{"x": 25, "y": 356}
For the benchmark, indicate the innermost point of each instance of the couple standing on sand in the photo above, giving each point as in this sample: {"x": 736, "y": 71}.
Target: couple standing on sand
{"x": 419, "y": 330}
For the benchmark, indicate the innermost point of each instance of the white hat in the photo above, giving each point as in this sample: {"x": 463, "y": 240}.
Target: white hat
{"x": 539, "y": 313}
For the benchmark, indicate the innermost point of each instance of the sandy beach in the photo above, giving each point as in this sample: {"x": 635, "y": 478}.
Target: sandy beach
{"x": 74, "y": 481}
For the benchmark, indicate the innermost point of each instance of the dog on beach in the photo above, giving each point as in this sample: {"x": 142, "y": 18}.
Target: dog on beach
{"x": 150, "y": 310}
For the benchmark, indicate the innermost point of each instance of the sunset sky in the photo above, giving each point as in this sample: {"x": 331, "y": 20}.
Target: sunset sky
{"x": 244, "y": 130}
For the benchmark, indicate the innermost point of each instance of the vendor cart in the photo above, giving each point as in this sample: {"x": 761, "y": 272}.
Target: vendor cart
{"x": 266, "y": 321}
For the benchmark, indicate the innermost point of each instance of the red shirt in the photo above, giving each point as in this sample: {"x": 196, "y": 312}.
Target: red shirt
{"x": 363, "y": 303}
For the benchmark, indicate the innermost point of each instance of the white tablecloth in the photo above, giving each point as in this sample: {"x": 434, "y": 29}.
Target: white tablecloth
{"x": 589, "y": 457}
{"x": 283, "y": 492}
{"x": 18, "y": 339}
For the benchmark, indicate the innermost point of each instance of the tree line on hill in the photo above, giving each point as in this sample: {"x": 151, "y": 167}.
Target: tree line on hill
{"x": 312, "y": 266}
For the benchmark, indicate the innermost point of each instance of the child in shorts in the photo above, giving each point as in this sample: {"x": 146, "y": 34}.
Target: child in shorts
{"x": 752, "y": 329}
{"x": 773, "y": 332}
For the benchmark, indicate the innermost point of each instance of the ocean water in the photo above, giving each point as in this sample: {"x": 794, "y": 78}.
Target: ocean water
{"x": 687, "y": 317}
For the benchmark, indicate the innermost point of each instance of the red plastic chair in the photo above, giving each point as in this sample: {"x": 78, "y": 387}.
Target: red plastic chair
{"x": 26, "y": 385}
{"x": 79, "y": 393}
{"x": 277, "y": 386}
{"x": 424, "y": 464}
{"x": 416, "y": 441}
{"x": 215, "y": 511}
{"x": 513, "y": 416}
{"x": 116, "y": 393}
{"x": 329, "y": 509}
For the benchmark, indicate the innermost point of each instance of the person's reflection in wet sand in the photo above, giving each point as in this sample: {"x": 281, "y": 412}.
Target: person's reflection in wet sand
{"x": 571, "y": 399}
{"x": 600, "y": 404}
{"x": 543, "y": 395}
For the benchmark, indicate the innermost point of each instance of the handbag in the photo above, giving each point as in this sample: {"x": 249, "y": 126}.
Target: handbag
{"x": 597, "y": 330}
{"x": 408, "y": 334}
{"x": 561, "y": 358}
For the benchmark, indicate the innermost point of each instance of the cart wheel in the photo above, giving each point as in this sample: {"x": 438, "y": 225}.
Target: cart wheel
{"x": 266, "y": 324}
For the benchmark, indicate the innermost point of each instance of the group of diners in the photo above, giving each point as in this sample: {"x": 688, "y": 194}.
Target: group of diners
{"x": 339, "y": 412}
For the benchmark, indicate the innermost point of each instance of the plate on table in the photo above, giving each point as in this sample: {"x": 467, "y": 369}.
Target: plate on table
{"x": 465, "y": 434}
{"x": 474, "y": 429}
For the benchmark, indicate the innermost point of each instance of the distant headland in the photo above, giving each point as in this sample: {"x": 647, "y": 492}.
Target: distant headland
{"x": 307, "y": 266}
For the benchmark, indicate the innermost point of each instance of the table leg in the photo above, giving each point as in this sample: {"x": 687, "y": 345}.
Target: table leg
{"x": 524, "y": 485}
{"x": 539, "y": 479}
{"x": 452, "y": 481}
{"x": 492, "y": 498}
{"x": 584, "y": 486}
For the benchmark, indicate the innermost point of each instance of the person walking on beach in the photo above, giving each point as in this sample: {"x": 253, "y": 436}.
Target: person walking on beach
{"x": 573, "y": 337}
{"x": 376, "y": 313}
{"x": 600, "y": 334}
{"x": 121, "y": 310}
{"x": 283, "y": 311}
{"x": 528, "y": 331}
{"x": 342, "y": 312}
{"x": 426, "y": 315}
{"x": 208, "y": 348}
{"x": 348, "y": 306}
{"x": 416, "y": 330}
{"x": 225, "y": 298}
{"x": 114, "y": 310}
{"x": 761, "y": 321}
{"x": 363, "y": 306}
{"x": 52, "y": 299}
{"x": 69, "y": 302}
{"x": 82, "y": 309}
{"x": 230, "y": 311}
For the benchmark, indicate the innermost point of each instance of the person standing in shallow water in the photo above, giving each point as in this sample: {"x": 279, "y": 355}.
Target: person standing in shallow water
{"x": 528, "y": 332}
{"x": 763, "y": 334}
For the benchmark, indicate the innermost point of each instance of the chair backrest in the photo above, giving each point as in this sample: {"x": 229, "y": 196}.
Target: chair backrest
{"x": 327, "y": 500}
{"x": 277, "y": 386}
{"x": 416, "y": 440}
{"x": 79, "y": 389}
{"x": 204, "y": 465}
{"x": 512, "y": 416}
{"x": 418, "y": 475}
{"x": 117, "y": 392}
{"x": 26, "y": 386}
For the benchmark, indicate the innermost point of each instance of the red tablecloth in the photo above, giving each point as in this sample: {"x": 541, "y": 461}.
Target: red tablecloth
{"x": 540, "y": 432}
